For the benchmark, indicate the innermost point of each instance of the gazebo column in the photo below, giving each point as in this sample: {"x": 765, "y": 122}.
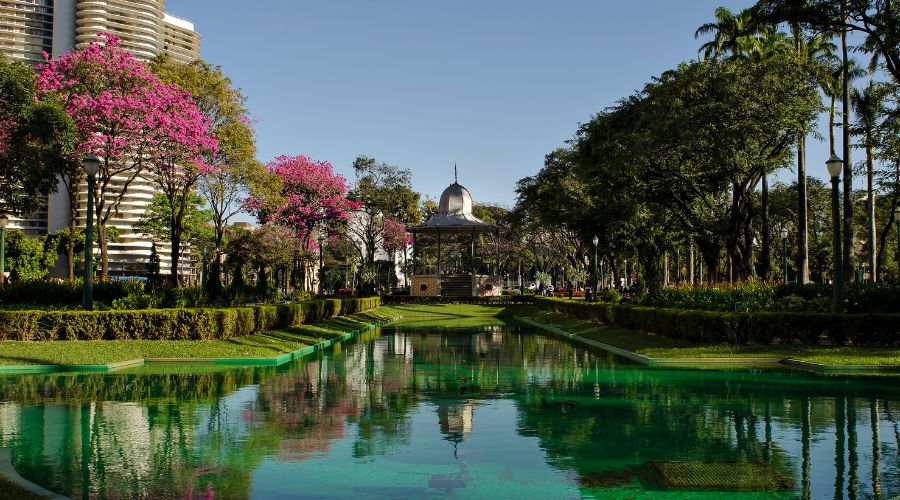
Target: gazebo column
{"x": 497, "y": 252}
{"x": 472, "y": 253}
{"x": 439, "y": 260}
{"x": 414, "y": 253}
{"x": 474, "y": 280}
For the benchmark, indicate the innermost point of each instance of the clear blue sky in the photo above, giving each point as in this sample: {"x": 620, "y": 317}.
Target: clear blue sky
{"x": 490, "y": 85}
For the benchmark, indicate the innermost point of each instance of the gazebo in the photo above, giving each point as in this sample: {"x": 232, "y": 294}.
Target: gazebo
{"x": 454, "y": 218}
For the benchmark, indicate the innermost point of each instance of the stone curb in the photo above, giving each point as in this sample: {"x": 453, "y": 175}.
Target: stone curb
{"x": 273, "y": 361}
{"x": 715, "y": 362}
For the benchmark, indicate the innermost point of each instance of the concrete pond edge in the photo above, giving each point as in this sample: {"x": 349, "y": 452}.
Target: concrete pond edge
{"x": 119, "y": 365}
{"x": 714, "y": 362}
{"x": 8, "y": 472}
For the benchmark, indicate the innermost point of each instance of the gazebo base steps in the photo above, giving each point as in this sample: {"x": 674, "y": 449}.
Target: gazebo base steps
{"x": 456, "y": 286}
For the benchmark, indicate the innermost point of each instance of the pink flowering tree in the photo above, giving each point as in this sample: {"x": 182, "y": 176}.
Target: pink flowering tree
{"x": 312, "y": 200}
{"x": 122, "y": 113}
{"x": 178, "y": 158}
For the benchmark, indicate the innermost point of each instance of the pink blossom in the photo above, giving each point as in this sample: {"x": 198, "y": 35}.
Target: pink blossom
{"x": 313, "y": 198}
{"x": 395, "y": 238}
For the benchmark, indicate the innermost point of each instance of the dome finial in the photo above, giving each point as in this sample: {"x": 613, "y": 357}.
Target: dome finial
{"x": 455, "y": 174}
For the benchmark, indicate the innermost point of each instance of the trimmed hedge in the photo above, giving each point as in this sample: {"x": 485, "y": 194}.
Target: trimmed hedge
{"x": 737, "y": 328}
{"x": 172, "y": 324}
{"x": 495, "y": 300}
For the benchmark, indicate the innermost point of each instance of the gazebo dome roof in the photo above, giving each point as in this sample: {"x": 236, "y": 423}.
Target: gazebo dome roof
{"x": 455, "y": 200}
{"x": 454, "y": 214}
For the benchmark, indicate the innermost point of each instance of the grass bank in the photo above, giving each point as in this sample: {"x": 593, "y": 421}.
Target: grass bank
{"x": 661, "y": 347}
{"x": 454, "y": 315}
{"x": 260, "y": 345}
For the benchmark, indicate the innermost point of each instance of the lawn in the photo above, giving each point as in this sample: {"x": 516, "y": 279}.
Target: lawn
{"x": 662, "y": 347}
{"x": 262, "y": 345}
{"x": 454, "y": 315}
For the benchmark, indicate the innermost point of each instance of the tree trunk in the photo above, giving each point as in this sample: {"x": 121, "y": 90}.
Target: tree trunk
{"x": 104, "y": 251}
{"x": 802, "y": 217}
{"x": 831, "y": 113}
{"x": 870, "y": 188}
{"x": 70, "y": 248}
{"x": 690, "y": 263}
{"x": 848, "y": 163}
{"x": 765, "y": 259}
{"x": 174, "y": 253}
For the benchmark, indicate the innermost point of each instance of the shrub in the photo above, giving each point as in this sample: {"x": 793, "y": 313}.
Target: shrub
{"x": 744, "y": 296}
{"x": 171, "y": 324}
{"x": 609, "y": 295}
{"x": 48, "y": 293}
{"x": 738, "y": 327}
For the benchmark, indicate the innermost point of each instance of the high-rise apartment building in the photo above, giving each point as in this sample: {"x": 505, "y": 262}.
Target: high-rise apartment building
{"x": 26, "y": 29}
{"x": 30, "y": 27}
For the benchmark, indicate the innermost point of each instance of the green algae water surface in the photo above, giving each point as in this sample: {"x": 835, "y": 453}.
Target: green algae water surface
{"x": 491, "y": 412}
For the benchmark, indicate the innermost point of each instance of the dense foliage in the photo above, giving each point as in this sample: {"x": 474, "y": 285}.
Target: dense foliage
{"x": 674, "y": 180}
{"x": 738, "y": 327}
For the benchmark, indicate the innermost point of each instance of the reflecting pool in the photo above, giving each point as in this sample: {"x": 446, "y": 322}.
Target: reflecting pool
{"x": 492, "y": 412}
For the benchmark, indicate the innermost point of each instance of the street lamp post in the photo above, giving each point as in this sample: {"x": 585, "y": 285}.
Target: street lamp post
{"x": 784, "y": 250}
{"x": 835, "y": 165}
{"x": 4, "y": 220}
{"x": 90, "y": 164}
{"x": 204, "y": 257}
{"x": 602, "y": 276}
{"x": 596, "y": 241}
{"x": 321, "y": 265}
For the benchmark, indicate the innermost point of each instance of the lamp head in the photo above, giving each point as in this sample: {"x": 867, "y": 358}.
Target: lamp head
{"x": 4, "y": 220}
{"x": 897, "y": 213}
{"x": 784, "y": 233}
{"x": 91, "y": 164}
{"x": 835, "y": 165}
{"x": 596, "y": 241}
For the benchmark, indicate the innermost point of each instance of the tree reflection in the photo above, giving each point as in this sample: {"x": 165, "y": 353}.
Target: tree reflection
{"x": 153, "y": 433}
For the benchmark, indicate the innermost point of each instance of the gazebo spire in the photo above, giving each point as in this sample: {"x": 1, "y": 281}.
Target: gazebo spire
{"x": 455, "y": 174}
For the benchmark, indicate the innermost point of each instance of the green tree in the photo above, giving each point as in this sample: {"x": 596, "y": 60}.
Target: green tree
{"x": 818, "y": 54}
{"x": 869, "y": 106}
{"x": 27, "y": 258}
{"x": 735, "y": 35}
{"x": 877, "y": 21}
{"x": 234, "y": 168}
{"x": 36, "y": 136}
{"x": 194, "y": 229}
{"x": 386, "y": 193}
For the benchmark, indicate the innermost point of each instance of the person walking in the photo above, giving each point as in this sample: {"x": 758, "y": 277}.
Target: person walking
{"x": 570, "y": 289}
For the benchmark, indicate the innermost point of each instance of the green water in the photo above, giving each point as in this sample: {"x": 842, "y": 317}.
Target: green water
{"x": 497, "y": 412}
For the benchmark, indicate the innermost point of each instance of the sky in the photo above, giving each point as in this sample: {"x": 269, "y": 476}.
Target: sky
{"x": 492, "y": 86}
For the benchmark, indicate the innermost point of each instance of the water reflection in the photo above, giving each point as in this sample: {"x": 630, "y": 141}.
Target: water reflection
{"x": 481, "y": 413}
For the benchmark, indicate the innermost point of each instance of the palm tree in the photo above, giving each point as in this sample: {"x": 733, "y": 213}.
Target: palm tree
{"x": 831, "y": 82}
{"x": 734, "y": 35}
{"x": 868, "y": 104}
{"x": 818, "y": 54}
